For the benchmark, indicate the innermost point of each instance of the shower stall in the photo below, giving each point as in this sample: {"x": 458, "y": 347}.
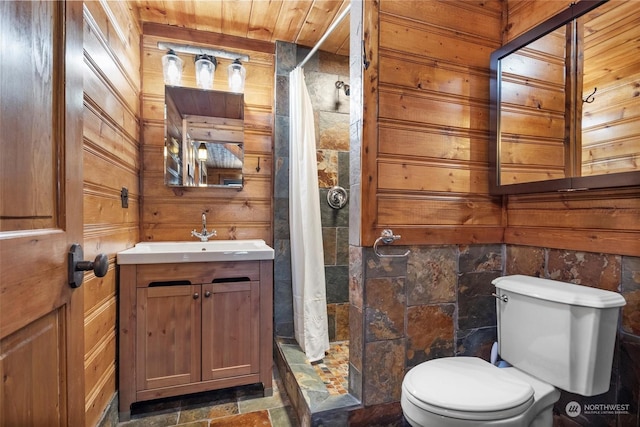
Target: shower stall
{"x": 327, "y": 81}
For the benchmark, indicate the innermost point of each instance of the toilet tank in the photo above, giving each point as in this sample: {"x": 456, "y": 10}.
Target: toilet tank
{"x": 559, "y": 332}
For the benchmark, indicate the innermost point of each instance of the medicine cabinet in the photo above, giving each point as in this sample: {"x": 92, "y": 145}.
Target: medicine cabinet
{"x": 204, "y": 137}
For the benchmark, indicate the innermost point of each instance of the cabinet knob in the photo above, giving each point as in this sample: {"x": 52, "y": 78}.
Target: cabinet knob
{"x": 207, "y": 294}
{"x": 196, "y": 296}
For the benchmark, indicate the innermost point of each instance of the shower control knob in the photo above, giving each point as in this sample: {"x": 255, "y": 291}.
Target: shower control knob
{"x": 337, "y": 197}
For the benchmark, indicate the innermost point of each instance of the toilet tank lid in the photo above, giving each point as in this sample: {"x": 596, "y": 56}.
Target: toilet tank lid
{"x": 561, "y": 292}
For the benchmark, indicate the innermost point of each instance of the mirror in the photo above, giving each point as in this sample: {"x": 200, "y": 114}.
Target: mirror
{"x": 204, "y": 136}
{"x": 565, "y": 108}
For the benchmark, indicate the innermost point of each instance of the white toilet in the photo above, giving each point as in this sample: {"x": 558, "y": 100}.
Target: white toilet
{"x": 554, "y": 334}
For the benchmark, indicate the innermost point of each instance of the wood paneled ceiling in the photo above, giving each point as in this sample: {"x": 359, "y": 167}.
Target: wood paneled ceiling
{"x": 302, "y": 22}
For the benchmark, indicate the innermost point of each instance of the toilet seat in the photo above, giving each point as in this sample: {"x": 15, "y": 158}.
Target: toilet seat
{"x": 467, "y": 388}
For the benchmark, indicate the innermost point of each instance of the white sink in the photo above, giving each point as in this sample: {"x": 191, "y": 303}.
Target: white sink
{"x": 214, "y": 250}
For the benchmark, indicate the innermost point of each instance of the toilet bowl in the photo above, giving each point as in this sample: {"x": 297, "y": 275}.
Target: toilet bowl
{"x": 553, "y": 334}
{"x": 468, "y": 391}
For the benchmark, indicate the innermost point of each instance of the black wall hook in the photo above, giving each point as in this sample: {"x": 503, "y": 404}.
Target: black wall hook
{"x": 589, "y": 99}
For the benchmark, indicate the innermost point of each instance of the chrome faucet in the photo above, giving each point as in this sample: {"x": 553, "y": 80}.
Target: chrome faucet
{"x": 204, "y": 235}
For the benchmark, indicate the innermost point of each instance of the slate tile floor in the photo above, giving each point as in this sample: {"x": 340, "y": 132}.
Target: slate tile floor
{"x": 238, "y": 407}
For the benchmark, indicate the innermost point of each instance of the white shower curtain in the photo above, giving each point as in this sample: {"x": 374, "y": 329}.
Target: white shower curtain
{"x": 307, "y": 258}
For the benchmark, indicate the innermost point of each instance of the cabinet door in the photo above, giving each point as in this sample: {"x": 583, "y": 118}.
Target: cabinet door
{"x": 230, "y": 335}
{"x": 168, "y": 336}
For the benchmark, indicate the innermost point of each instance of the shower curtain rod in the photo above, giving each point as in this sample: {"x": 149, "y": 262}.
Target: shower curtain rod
{"x": 326, "y": 35}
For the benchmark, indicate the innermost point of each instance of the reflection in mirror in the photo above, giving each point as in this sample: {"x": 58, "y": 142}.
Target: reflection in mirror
{"x": 532, "y": 111}
{"x": 611, "y": 116}
{"x": 566, "y": 102}
{"x": 204, "y": 136}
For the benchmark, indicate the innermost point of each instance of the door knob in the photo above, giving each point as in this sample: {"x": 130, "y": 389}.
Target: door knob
{"x": 77, "y": 265}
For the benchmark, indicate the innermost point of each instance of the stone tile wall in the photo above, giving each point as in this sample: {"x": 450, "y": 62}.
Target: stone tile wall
{"x": 331, "y": 110}
{"x": 282, "y": 297}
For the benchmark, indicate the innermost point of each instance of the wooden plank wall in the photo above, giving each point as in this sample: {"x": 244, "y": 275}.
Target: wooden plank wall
{"x": 611, "y": 123}
{"x": 532, "y": 111}
{"x": 111, "y": 162}
{"x": 604, "y": 221}
{"x": 425, "y": 130}
{"x": 523, "y": 15}
{"x": 171, "y": 213}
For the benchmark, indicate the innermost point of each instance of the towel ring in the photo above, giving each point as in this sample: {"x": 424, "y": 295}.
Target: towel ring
{"x": 387, "y": 237}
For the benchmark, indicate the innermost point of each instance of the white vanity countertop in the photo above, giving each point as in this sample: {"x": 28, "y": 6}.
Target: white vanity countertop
{"x": 213, "y": 250}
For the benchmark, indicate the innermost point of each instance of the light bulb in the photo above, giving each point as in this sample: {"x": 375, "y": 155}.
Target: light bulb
{"x": 205, "y": 68}
{"x": 237, "y": 75}
{"x": 172, "y": 68}
{"x": 202, "y": 152}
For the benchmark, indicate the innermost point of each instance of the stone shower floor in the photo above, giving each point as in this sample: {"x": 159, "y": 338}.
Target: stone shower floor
{"x": 318, "y": 392}
{"x": 333, "y": 370}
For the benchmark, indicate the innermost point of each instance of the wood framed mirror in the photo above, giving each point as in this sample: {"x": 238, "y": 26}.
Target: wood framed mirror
{"x": 565, "y": 104}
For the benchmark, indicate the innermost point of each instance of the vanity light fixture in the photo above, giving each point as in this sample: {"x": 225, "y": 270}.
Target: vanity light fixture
{"x": 237, "y": 74}
{"x": 205, "y": 69}
{"x": 172, "y": 65}
{"x": 202, "y": 152}
{"x": 172, "y": 68}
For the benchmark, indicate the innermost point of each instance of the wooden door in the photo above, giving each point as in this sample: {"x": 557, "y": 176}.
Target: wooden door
{"x": 168, "y": 336}
{"x": 41, "y": 316}
{"x": 230, "y": 329}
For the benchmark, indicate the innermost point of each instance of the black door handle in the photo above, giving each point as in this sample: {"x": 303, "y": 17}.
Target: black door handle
{"x": 77, "y": 265}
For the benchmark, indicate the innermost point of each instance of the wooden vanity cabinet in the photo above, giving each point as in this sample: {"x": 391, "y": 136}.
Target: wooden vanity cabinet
{"x": 187, "y": 328}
